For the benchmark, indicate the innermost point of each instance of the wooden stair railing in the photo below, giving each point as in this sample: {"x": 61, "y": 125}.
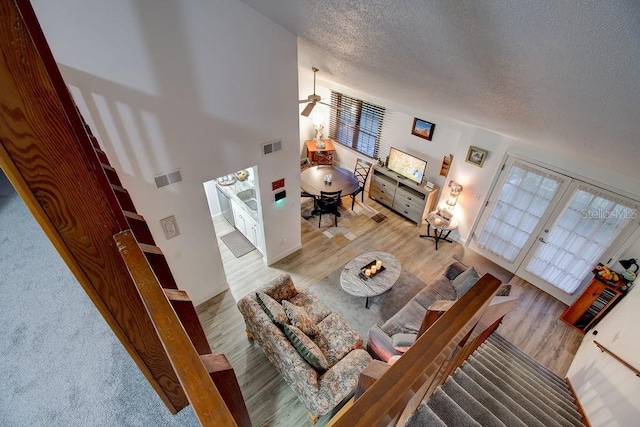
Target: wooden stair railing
{"x": 201, "y": 374}
{"x": 404, "y": 384}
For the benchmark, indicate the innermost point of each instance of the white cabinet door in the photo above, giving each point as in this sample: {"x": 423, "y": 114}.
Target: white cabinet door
{"x": 258, "y": 236}
{"x": 248, "y": 226}
{"x": 250, "y": 234}
{"x": 239, "y": 217}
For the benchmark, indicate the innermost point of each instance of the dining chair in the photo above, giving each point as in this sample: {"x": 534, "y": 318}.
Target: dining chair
{"x": 328, "y": 203}
{"x": 361, "y": 172}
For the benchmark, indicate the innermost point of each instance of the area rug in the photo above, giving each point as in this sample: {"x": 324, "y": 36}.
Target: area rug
{"x": 237, "y": 243}
{"x": 353, "y": 310}
{"x": 351, "y": 223}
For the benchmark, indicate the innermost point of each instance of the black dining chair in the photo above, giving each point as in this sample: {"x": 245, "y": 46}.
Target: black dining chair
{"x": 328, "y": 203}
{"x": 362, "y": 173}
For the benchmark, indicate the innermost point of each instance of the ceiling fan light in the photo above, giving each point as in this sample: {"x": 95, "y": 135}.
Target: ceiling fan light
{"x": 307, "y": 110}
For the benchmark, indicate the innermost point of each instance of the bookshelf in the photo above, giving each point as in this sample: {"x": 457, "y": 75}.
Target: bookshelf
{"x": 596, "y": 300}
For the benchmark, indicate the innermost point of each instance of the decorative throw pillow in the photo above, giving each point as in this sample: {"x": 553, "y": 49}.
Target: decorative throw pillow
{"x": 402, "y": 342}
{"x": 300, "y": 318}
{"x": 272, "y": 308}
{"x": 465, "y": 281}
{"x": 307, "y": 348}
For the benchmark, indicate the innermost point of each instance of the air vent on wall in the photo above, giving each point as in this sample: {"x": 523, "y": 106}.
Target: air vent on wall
{"x": 271, "y": 147}
{"x": 169, "y": 178}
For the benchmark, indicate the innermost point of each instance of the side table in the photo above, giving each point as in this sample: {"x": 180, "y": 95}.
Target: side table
{"x": 441, "y": 228}
{"x": 320, "y": 156}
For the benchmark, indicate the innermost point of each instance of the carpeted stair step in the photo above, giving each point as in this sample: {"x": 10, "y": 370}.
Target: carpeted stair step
{"x": 501, "y": 354}
{"x": 448, "y": 410}
{"x": 513, "y": 388}
{"x": 424, "y": 416}
{"x": 510, "y": 395}
{"x": 508, "y": 347}
{"x": 542, "y": 389}
{"x": 509, "y": 412}
{"x": 543, "y": 397}
{"x": 470, "y": 405}
{"x": 498, "y": 386}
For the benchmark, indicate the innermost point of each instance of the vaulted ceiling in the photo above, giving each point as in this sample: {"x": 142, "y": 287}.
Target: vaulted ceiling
{"x": 558, "y": 73}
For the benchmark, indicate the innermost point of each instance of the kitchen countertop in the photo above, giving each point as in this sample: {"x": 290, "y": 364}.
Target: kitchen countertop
{"x": 232, "y": 191}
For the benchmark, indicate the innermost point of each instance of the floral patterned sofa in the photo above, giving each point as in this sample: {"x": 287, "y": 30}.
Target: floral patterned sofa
{"x": 315, "y": 350}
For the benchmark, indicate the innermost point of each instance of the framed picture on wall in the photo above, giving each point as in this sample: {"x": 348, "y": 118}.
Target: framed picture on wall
{"x": 423, "y": 128}
{"x": 476, "y": 156}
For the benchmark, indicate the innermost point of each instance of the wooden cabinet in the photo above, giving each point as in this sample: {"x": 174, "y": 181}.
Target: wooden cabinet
{"x": 592, "y": 305}
{"x": 401, "y": 195}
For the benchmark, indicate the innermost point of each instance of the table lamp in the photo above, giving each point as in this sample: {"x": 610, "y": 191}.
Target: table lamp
{"x": 454, "y": 191}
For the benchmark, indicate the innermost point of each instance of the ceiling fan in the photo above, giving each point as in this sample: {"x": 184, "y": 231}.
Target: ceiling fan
{"x": 311, "y": 99}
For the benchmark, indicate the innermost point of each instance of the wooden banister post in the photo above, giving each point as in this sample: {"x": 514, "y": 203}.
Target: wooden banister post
{"x": 224, "y": 377}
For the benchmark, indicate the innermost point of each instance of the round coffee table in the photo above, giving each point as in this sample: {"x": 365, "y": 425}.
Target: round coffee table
{"x": 354, "y": 285}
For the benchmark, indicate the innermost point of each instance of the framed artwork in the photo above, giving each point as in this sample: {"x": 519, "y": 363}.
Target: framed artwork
{"x": 476, "y": 156}
{"x": 423, "y": 128}
{"x": 170, "y": 227}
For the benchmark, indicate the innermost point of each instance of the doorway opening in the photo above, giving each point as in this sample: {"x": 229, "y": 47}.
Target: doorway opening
{"x": 236, "y": 214}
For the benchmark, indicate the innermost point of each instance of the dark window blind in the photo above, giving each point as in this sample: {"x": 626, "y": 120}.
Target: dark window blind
{"x": 356, "y": 124}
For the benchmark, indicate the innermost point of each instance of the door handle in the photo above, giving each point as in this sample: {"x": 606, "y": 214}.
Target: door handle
{"x": 542, "y": 240}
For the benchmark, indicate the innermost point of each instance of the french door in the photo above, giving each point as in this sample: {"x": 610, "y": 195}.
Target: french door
{"x": 551, "y": 229}
{"x": 520, "y": 205}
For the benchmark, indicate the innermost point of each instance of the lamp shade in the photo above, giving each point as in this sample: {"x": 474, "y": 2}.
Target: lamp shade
{"x": 317, "y": 118}
{"x": 454, "y": 191}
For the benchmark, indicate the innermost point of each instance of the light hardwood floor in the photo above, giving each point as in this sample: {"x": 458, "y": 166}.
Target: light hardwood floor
{"x": 533, "y": 326}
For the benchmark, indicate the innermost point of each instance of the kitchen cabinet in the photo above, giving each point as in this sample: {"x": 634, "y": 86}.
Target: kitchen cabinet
{"x": 248, "y": 226}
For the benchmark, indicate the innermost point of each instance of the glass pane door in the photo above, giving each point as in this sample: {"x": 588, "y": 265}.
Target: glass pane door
{"x": 588, "y": 221}
{"x": 525, "y": 197}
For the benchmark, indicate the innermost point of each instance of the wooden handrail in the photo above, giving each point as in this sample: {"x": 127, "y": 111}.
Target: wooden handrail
{"x": 385, "y": 400}
{"x": 208, "y": 405}
{"x": 618, "y": 358}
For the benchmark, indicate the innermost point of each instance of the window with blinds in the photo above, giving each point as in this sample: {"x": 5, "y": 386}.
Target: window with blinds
{"x": 356, "y": 124}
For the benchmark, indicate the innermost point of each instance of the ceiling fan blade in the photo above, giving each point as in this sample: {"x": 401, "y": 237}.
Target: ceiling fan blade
{"x": 307, "y": 110}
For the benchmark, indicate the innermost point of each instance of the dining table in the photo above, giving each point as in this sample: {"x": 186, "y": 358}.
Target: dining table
{"x": 312, "y": 180}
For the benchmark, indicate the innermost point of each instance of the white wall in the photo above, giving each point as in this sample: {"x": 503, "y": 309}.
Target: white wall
{"x": 608, "y": 391}
{"x": 197, "y": 86}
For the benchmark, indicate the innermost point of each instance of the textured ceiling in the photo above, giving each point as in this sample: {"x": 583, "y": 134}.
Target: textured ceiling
{"x": 562, "y": 73}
